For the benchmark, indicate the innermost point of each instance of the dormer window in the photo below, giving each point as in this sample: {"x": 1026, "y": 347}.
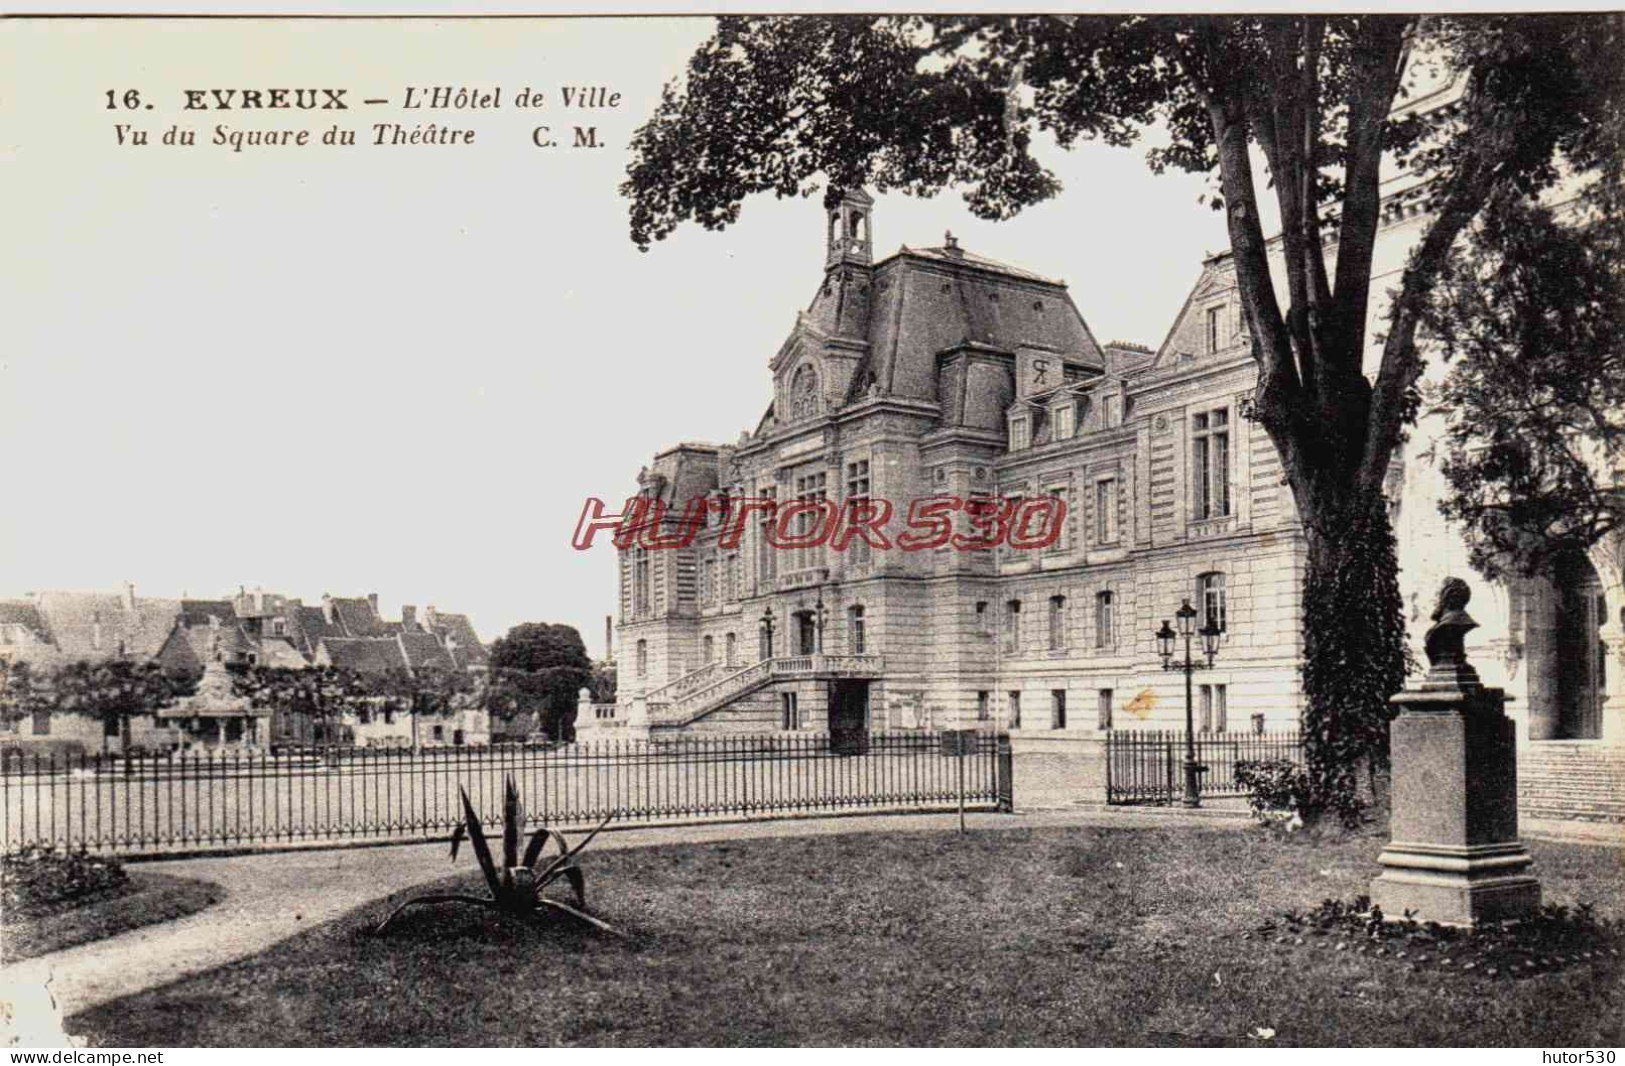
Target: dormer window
{"x": 1020, "y": 433}
{"x": 1111, "y": 411}
{"x": 1063, "y": 417}
{"x": 1216, "y": 338}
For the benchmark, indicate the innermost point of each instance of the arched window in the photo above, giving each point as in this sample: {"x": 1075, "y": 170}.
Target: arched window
{"x": 804, "y": 398}
{"x": 1057, "y": 621}
{"x": 710, "y": 650}
{"x": 856, "y": 628}
{"x": 643, "y": 658}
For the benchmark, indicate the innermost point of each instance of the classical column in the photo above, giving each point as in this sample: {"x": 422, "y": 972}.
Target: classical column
{"x": 1454, "y": 856}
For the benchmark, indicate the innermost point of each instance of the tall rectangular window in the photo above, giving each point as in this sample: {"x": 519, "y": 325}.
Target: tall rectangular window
{"x": 1057, "y": 621}
{"x": 811, "y": 490}
{"x": 1104, "y": 704}
{"x": 1210, "y": 594}
{"x": 730, "y": 578}
{"x": 1106, "y": 511}
{"x": 984, "y": 708}
{"x": 1105, "y": 620}
{"x": 1057, "y": 708}
{"x": 791, "y": 714}
{"x": 709, "y": 583}
{"x": 643, "y": 658}
{"x": 42, "y": 723}
{"x": 767, "y": 560}
{"x": 1215, "y": 329}
{"x": 856, "y": 622}
{"x": 730, "y": 646}
{"x": 709, "y": 645}
{"x": 1012, "y": 625}
{"x": 1214, "y": 709}
{"x": 1013, "y": 708}
{"x": 1111, "y": 411}
{"x": 1210, "y": 466}
{"x": 857, "y": 501}
{"x": 981, "y": 618}
{"x": 1062, "y": 516}
{"x": 640, "y": 583}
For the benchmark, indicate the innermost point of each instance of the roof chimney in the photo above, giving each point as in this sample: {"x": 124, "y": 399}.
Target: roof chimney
{"x": 372, "y": 600}
{"x": 129, "y": 596}
{"x": 409, "y": 617}
{"x": 327, "y": 608}
{"x": 431, "y": 619}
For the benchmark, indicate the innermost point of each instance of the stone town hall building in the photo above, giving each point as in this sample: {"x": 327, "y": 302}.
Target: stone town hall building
{"x": 937, "y": 371}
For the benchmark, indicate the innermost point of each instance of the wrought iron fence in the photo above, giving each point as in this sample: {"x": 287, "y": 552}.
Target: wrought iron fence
{"x": 1148, "y": 766}
{"x": 195, "y": 802}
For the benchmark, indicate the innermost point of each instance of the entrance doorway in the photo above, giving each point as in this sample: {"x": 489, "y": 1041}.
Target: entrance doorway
{"x": 849, "y": 717}
{"x": 806, "y": 634}
{"x": 1581, "y": 655}
{"x": 1566, "y": 609}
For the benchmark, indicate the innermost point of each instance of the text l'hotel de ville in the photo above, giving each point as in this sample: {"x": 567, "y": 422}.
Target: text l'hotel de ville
{"x": 434, "y": 116}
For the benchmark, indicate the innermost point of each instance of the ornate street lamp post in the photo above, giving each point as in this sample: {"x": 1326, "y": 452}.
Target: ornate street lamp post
{"x": 767, "y": 632}
{"x": 1165, "y": 647}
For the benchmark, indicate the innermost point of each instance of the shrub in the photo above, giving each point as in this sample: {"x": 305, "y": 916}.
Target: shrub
{"x": 39, "y": 879}
{"x": 1279, "y": 788}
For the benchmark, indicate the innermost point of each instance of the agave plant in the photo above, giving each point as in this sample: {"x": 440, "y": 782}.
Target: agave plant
{"x": 517, "y": 886}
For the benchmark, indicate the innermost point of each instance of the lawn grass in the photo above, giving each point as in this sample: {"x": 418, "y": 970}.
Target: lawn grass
{"x": 1052, "y": 937}
{"x": 145, "y": 899}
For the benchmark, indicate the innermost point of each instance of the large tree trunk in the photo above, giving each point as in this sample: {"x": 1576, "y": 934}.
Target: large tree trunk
{"x": 1355, "y": 653}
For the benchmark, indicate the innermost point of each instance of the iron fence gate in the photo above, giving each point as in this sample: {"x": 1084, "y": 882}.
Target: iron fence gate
{"x": 190, "y": 802}
{"x": 1148, "y": 766}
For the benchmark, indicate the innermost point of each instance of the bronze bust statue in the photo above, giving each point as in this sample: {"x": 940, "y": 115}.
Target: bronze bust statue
{"x": 1451, "y": 624}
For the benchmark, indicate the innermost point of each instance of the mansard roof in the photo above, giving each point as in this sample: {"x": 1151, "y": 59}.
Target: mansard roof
{"x": 930, "y": 301}
{"x": 959, "y": 257}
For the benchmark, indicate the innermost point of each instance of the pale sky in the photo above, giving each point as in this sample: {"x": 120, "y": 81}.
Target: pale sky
{"x": 402, "y": 370}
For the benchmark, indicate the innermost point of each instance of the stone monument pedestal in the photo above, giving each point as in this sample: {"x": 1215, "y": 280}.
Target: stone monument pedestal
{"x": 1454, "y": 856}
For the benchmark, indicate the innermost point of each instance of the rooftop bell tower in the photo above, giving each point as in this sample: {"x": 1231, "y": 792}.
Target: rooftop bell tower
{"x": 850, "y": 239}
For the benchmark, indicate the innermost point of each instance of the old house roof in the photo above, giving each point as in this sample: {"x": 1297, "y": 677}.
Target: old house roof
{"x": 424, "y": 649}
{"x": 367, "y": 655}
{"x": 75, "y": 618}
{"x": 357, "y": 617}
{"x": 458, "y": 633}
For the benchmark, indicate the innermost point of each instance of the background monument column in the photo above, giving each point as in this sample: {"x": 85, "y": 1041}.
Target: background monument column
{"x": 1454, "y": 856}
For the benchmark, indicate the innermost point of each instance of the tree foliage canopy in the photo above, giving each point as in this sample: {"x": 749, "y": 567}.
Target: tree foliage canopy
{"x": 539, "y": 668}
{"x": 112, "y": 691}
{"x": 1531, "y": 316}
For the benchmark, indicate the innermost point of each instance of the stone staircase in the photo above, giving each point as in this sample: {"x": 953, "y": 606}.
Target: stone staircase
{"x": 1579, "y": 781}
{"x": 703, "y": 692}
